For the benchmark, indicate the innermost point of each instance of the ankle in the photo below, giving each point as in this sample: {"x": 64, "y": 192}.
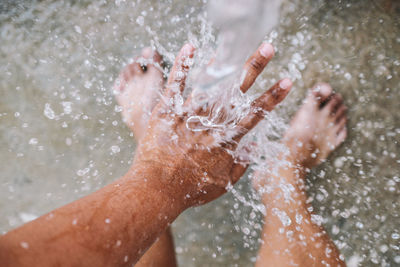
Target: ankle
{"x": 300, "y": 153}
{"x": 287, "y": 181}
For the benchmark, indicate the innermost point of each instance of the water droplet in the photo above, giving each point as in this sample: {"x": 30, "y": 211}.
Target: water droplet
{"x": 24, "y": 245}
{"x": 27, "y": 217}
{"x": 118, "y": 108}
{"x": 395, "y": 236}
{"x": 33, "y": 141}
{"x": 283, "y": 217}
{"x": 359, "y": 225}
{"x": 78, "y": 29}
{"x": 140, "y": 20}
{"x": 88, "y": 84}
{"x": 67, "y": 107}
{"x": 48, "y": 112}
{"x": 246, "y": 230}
{"x": 82, "y": 172}
{"x": 115, "y": 149}
{"x": 68, "y": 141}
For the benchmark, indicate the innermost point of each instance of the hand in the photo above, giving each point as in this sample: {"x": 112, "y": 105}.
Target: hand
{"x": 197, "y": 166}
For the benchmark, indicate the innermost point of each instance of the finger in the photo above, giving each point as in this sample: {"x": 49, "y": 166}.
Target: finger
{"x": 266, "y": 102}
{"x": 255, "y": 65}
{"x": 177, "y": 77}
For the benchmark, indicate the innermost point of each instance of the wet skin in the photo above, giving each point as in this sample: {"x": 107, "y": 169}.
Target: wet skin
{"x": 317, "y": 129}
{"x": 117, "y": 224}
{"x": 137, "y": 91}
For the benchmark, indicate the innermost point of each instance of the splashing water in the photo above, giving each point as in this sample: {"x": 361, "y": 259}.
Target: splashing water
{"x": 217, "y": 84}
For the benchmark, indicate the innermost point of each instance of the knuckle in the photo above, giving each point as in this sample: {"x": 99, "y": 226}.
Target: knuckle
{"x": 256, "y": 64}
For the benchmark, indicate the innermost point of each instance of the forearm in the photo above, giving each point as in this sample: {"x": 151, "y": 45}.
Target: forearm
{"x": 290, "y": 236}
{"x": 111, "y": 227}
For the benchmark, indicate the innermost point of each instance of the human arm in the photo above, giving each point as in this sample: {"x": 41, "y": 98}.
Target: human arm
{"x": 111, "y": 227}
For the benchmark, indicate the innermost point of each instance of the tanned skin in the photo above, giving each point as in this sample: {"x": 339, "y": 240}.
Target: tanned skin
{"x": 318, "y": 128}
{"x": 117, "y": 224}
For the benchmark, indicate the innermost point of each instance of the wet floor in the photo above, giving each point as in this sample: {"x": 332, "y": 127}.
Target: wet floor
{"x": 61, "y": 135}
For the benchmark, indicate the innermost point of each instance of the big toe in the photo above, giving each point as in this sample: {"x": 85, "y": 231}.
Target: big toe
{"x": 322, "y": 92}
{"x": 128, "y": 73}
{"x": 152, "y": 63}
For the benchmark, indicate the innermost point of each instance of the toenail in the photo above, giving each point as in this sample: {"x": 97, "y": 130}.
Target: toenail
{"x": 325, "y": 87}
{"x": 147, "y": 52}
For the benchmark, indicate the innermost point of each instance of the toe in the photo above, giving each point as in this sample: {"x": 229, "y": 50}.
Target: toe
{"x": 341, "y": 125}
{"x": 322, "y": 92}
{"x": 338, "y": 104}
{"x": 153, "y": 61}
{"x": 341, "y": 136}
{"x": 133, "y": 69}
{"x": 340, "y": 113}
{"x": 332, "y": 104}
{"x": 126, "y": 75}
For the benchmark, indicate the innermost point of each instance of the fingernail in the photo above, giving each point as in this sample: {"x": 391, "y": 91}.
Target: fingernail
{"x": 285, "y": 84}
{"x": 187, "y": 50}
{"x": 267, "y": 50}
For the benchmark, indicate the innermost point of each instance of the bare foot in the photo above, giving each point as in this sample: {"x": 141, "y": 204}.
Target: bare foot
{"x": 137, "y": 90}
{"x": 318, "y": 127}
{"x": 290, "y": 236}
